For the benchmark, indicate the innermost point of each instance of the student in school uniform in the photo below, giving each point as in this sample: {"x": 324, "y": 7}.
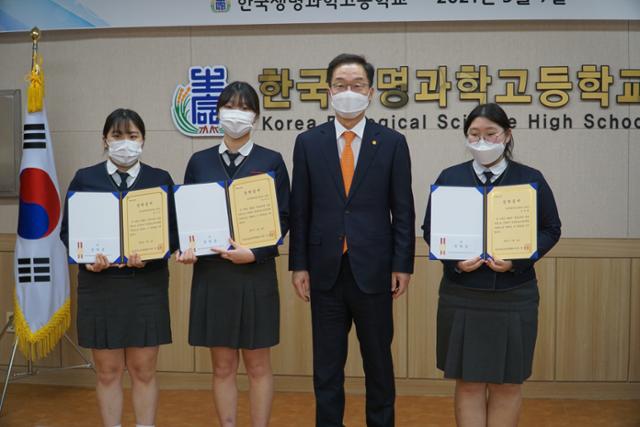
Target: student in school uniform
{"x": 123, "y": 310}
{"x": 488, "y": 309}
{"x": 234, "y": 295}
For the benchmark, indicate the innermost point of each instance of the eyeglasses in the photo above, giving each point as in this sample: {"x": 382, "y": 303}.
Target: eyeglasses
{"x": 356, "y": 87}
{"x": 490, "y": 137}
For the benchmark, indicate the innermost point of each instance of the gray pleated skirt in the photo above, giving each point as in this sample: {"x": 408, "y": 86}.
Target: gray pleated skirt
{"x": 119, "y": 311}
{"x": 487, "y": 336}
{"x": 234, "y": 305}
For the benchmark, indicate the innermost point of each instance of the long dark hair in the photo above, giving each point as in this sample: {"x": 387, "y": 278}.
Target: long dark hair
{"x": 496, "y": 114}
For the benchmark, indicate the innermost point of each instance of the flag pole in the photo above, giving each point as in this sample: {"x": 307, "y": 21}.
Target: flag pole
{"x": 35, "y": 90}
{"x": 8, "y": 377}
{"x": 30, "y": 371}
{"x": 35, "y": 38}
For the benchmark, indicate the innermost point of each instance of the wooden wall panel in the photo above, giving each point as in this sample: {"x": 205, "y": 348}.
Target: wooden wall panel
{"x": 202, "y": 360}
{"x": 589, "y": 323}
{"x": 7, "y": 285}
{"x": 179, "y": 356}
{"x": 294, "y": 354}
{"x": 544, "y": 357}
{"x": 593, "y": 319}
{"x": 423, "y": 306}
{"x": 70, "y": 355}
{"x": 634, "y": 354}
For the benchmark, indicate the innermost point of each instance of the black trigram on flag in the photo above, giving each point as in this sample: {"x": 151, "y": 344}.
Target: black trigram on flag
{"x": 34, "y": 136}
{"x": 34, "y": 270}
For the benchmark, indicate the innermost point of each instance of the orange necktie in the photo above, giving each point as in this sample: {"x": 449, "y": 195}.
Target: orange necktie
{"x": 347, "y": 166}
{"x": 346, "y": 160}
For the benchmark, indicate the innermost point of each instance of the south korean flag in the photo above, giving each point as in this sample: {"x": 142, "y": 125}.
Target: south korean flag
{"x": 42, "y": 304}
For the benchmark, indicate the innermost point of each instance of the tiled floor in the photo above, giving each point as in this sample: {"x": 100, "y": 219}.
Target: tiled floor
{"x": 51, "y": 406}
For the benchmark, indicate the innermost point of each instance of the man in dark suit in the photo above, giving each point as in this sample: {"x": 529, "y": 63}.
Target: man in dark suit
{"x": 352, "y": 240}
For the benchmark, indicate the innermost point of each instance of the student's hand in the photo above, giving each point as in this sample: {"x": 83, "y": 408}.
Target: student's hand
{"x": 399, "y": 283}
{"x": 300, "y": 280}
{"x": 135, "y": 261}
{"x": 470, "y": 264}
{"x": 237, "y": 255}
{"x": 101, "y": 263}
{"x": 498, "y": 265}
{"x": 186, "y": 257}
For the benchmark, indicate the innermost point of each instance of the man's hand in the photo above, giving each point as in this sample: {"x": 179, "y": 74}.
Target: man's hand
{"x": 399, "y": 283}
{"x": 300, "y": 280}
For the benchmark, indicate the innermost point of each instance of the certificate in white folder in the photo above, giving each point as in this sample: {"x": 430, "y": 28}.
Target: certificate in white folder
{"x": 457, "y": 222}
{"x": 94, "y": 227}
{"x": 202, "y": 216}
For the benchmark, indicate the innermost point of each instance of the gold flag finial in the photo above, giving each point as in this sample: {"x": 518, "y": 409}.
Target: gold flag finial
{"x": 35, "y": 35}
{"x": 35, "y": 38}
{"x": 35, "y": 91}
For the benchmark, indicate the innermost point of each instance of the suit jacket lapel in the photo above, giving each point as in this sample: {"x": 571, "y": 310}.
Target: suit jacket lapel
{"x": 368, "y": 150}
{"x": 330, "y": 150}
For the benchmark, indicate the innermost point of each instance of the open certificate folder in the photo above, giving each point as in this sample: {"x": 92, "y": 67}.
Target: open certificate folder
{"x": 245, "y": 209}
{"x": 118, "y": 225}
{"x": 498, "y": 222}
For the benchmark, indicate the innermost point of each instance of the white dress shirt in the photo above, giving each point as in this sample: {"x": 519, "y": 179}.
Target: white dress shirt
{"x": 243, "y": 151}
{"x": 496, "y": 169}
{"x": 133, "y": 173}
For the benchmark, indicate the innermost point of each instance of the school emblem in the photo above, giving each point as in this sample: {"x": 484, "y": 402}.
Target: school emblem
{"x": 194, "y": 107}
{"x": 220, "y": 5}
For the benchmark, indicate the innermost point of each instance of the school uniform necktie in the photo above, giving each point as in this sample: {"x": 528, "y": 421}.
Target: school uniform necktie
{"x": 347, "y": 165}
{"x": 123, "y": 181}
{"x": 487, "y": 178}
{"x": 232, "y": 167}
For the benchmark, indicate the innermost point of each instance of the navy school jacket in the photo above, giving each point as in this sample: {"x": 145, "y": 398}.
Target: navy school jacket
{"x": 549, "y": 225}
{"x": 96, "y": 179}
{"x": 206, "y": 166}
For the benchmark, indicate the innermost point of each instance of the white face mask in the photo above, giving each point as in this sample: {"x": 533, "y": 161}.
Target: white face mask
{"x": 349, "y": 104}
{"x": 236, "y": 123}
{"x": 485, "y": 152}
{"x": 124, "y": 152}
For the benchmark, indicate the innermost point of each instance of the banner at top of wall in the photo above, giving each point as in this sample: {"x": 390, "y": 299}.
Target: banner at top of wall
{"x": 20, "y": 15}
